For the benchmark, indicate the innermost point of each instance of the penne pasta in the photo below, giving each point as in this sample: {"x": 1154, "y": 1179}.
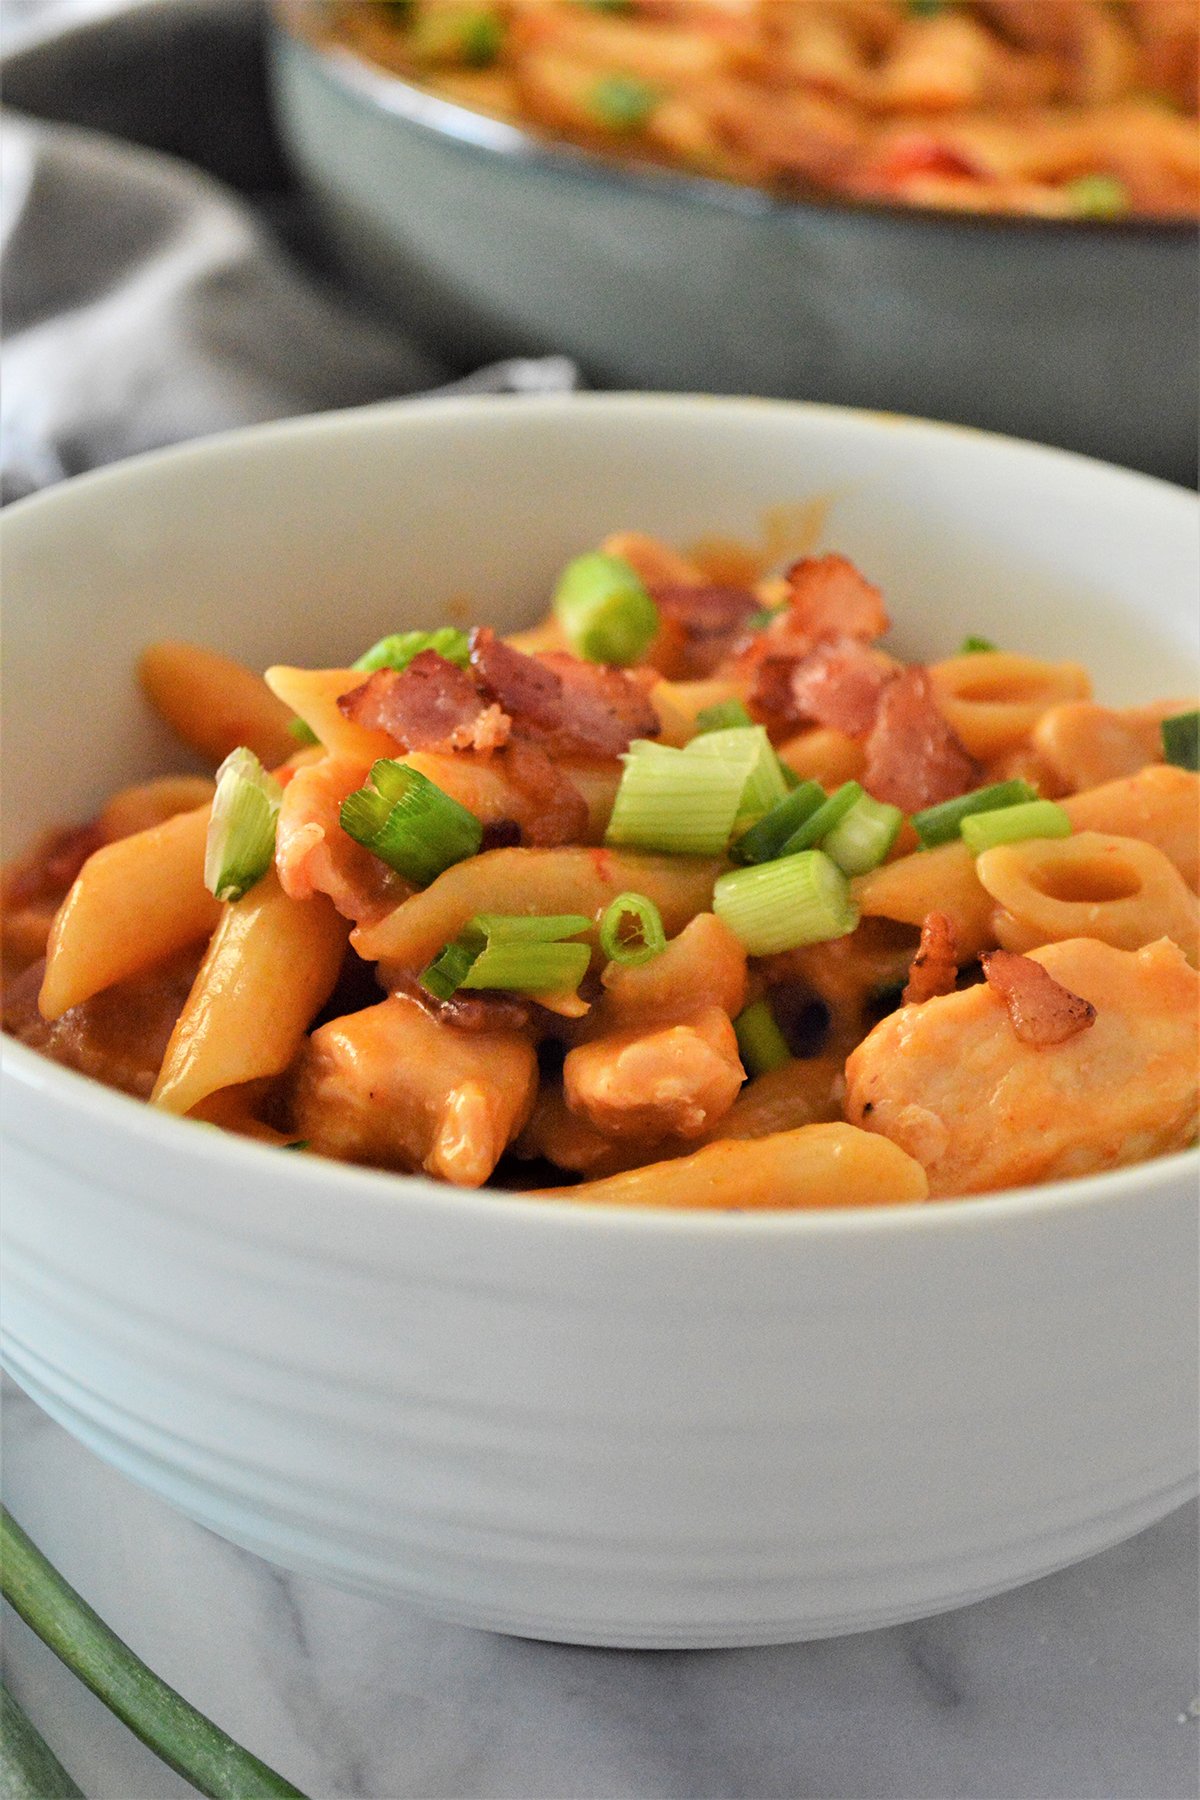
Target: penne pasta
{"x": 313, "y": 694}
{"x": 994, "y": 701}
{"x": 134, "y": 904}
{"x": 270, "y": 967}
{"x": 534, "y": 881}
{"x": 214, "y": 703}
{"x": 151, "y": 803}
{"x": 1159, "y": 805}
{"x": 813, "y": 1166}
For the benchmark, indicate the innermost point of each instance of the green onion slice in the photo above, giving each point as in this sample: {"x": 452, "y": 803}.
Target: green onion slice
{"x": 457, "y": 34}
{"x": 605, "y": 610}
{"x": 631, "y": 930}
{"x": 398, "y": 650}
{"x": 801, "y": 899}
{"x": 303, "y": 733}
{"x": 748, "y": 747}
{"x": 523, "y": 952}
{"x": 864, "y": 836}
{"x": 819, "y": 824}
{"x": 1181, "y": 740}
{"x": 974, "y": 646}
{"x": 761, "y": 1044}
{"x": 766, "y": 839}
{"x": 409, "y": 822}
{"x": 671, "y": 801}
{"x": 1098, "y": 197}
{"x": 1013, "y": 824}
{"x": 941, "y": 824}
{"x": 241, "y": 828}
{"x": 622, "y": 102}
{"x": 726, "y": 715}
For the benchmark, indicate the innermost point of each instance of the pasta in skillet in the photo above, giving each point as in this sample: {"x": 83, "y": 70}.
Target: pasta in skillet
{"x": 1054, "y": 108}
{"x": 693, "y": 895}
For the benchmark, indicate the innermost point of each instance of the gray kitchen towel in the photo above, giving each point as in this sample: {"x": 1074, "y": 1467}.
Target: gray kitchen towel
{"x": 159, "y": 277}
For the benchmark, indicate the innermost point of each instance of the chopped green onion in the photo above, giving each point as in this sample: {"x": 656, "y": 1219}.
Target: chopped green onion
{"x": 529, "y": 968}
{"x": 941, "y": 824}
{"x": 1181, "y": 740}
{"x": 241, "y": 828}
{"x": 406, "y": 820}
{"x": 747, "y": 747}
{"x": 1098, "y": 197}
{"x": 398, "y": 649}
{"x": 726, "y": 715}
{"x": 511, "y": 950}
{"x": 673, "y": 801}
{"x": 819, "y": 824}
{"x": 761, "y": 1044}
{"x": 766, "y": 839}
{"x": 973, "y": 646}
{"x": 622, "y": 102}
{"x": 448, "y": 970}
{"x": 864, "y": 837}
{"x": 1013, "y": 824}
{"x": 297, "y": 1144}
{"x": 528, "y": 928}
{"x": 766, "y": 615}
{"x": 605, "y": 610}
{"x": 926, "y": 9}
{"x": 802, "y": 899}
{"x": 182, "y": 1737}
{"x": 303, "y": 734}
{"x": 631, "y": 930}
{"x": 457, "y": 34}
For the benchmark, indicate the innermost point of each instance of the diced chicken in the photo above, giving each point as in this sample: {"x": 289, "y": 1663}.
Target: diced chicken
{"x": 313, "y": 855}
{"x": 951, "y": 1083}
{"x": 392, "y": 1086}
{"x": 649, "y": 1083}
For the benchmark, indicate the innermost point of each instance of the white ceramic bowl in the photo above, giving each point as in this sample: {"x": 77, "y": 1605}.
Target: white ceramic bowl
{"x": 612, "y": 1427}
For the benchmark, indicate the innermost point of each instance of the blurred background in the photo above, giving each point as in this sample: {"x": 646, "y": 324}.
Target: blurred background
{"x": 218, "y": 211}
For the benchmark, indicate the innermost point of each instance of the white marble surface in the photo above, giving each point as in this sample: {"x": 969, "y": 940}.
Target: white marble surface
{"x": 1082, "y": 1684}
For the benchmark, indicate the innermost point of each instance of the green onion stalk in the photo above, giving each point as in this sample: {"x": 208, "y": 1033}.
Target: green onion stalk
{"x": 182, "y": 1737}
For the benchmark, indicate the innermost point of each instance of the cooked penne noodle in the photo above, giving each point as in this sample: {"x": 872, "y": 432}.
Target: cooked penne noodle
{"x": 824, "y": 755}
{"x": 270, "y": 967}
{"x": 941, "y": 880}
{"x": 993, "y": 702}
{"x": 135, "y": 903}
{"x": 1119, "y": 890}
{"x": 214, "y": 703}
{"x": 815, "y": 1165}
{"x": 535, "y": 881}
{"x": 151, "y": 803}
{"x": 1160, "y": 805}
{"x": 313, "y": 694}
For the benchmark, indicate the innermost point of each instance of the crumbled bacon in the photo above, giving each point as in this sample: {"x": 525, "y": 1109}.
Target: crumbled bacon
{"x": 552, "y": 810}
{"x": 564, "y": 704}
{"x": 52, "y": 866}
{"x": 430, "y": 705}
{"x": 829, "y": 598}
{"x": 839, "y": 685}
{"x": 501, "y": 834}
{"x": 483, "y": 1010}
{"x": 914, "y": 759}
{"x": 705, "y": 622}
{"x": 934, "y": 969}
{"x": 1043, "y": 1012}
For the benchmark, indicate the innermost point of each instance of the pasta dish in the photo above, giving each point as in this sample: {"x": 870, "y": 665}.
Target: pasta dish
{"x": 692, "y": 895}
{"x": 1054, "y": 108}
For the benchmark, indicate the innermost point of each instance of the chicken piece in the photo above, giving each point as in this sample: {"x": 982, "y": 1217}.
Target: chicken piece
{"x": 313, "y": 855}
{"x": 660, "y": 1057}
{"x": 951, "y": 1083}
{"x": 392, "y": 1086}
{"x": 656, "y": 1082}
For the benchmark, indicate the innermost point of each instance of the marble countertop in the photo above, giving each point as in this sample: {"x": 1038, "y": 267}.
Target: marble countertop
{"x": 1082, "y": 1684}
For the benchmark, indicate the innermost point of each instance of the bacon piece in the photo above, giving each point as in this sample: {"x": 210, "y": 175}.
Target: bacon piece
{"x": 830, "y": 598}
{"x": 480, "y": 1011}
{"x": 52, "y": 865}
{"x": 562, "y": 703}
{"x": 839, "y": 685}
{"x": 934, "y": 969}
{"x": 552, "y": 809}
{"x": 913, "y": 758}
{"x": 705, "y": 621}
{"x": 430, "y": 705}
{"x": 1043, "y": 1012}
